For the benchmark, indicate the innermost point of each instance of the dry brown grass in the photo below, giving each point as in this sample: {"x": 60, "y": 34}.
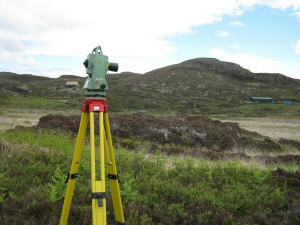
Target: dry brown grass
{"x": 9, "y": 119}
{"x": 272, "y": 127}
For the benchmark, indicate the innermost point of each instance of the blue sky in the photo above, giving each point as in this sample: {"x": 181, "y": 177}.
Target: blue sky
{"x": 52, "y": 38}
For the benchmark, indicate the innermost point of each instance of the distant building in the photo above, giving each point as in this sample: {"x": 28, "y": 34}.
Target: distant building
{"x": 72, "y": 84}
{"x": 286, "y": 102}
{"x": 261, "y": 100}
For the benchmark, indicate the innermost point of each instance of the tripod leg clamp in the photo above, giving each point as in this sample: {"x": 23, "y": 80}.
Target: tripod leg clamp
{"x": 114, "y": 177}
{"x": 99, "y": 196}
{"x": 71, "y": 176}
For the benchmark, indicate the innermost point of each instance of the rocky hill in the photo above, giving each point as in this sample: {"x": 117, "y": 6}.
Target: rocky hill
{"x": 202, "y": 84}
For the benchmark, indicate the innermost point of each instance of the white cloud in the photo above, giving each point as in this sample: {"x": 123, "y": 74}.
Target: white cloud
{"x": 236, "y": 46}
{"x": 236, "y": 23}
{"x": 297, "y": 14}
{"x": 280, "y": 4}
{"x": 132, "y": 29}
{"x": 223, "y": 33}
{"x": 258, "y": 64}
{"x": 298, "y": 47}
{"x": 10, "y": 42}
{"x": 66, "y": 27}
{"x": 9, "y": 58}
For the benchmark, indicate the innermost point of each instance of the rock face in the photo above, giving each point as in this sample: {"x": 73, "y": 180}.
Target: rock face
{"x": 216, "y": 66}
{"x": 23, "y": 89}
{"x": 180, "y": 130}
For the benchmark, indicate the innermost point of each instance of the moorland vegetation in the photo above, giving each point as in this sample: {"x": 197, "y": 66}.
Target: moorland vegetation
{"x": 180, "y": 158}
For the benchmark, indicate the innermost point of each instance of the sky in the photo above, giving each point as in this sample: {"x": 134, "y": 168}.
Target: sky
{"x": 53, "y": 38}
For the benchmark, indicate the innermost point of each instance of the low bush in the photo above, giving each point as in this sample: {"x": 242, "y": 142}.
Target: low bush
{"x": 155, "y": 190}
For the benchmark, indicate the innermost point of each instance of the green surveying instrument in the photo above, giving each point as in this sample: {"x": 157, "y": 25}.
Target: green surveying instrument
{"x": 97, "y": 66}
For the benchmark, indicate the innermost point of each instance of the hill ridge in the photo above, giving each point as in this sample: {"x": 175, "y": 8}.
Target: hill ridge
{"x": 200, "y": 84}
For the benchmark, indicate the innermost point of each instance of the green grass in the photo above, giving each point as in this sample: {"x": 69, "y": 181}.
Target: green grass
{"x": 34, "y": 103}
{"x": 155, "y": 190}
{"x": 54, "y": 139}
{"x": 267, "y": 110}
{"x": 255, "y": 84}
{"x": 37, "y": 103}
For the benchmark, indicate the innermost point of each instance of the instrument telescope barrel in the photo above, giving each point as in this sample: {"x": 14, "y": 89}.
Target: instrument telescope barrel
{"x": 113, "y": 67}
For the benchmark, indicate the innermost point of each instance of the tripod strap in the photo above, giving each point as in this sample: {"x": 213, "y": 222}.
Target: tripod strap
{"x": 99, "y": 196}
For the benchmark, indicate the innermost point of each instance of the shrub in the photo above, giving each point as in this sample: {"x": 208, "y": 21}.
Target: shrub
{"x": 155, "y": 190}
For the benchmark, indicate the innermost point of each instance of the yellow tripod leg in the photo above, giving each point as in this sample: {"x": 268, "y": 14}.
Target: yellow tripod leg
{"x": 98, "y": 187}
{"x": 74, "y": 169}
{"x": 113, "y": 175}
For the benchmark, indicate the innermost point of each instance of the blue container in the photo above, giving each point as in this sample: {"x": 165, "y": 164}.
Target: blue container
{"x": 287, "y": 102}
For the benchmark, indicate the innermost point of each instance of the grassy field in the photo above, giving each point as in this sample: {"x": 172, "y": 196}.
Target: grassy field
{"x": 269, "y": 126}
{"x": 157, "y": 187}
{"x": 274, "y": 127}
{"x": 10, "y": 118}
